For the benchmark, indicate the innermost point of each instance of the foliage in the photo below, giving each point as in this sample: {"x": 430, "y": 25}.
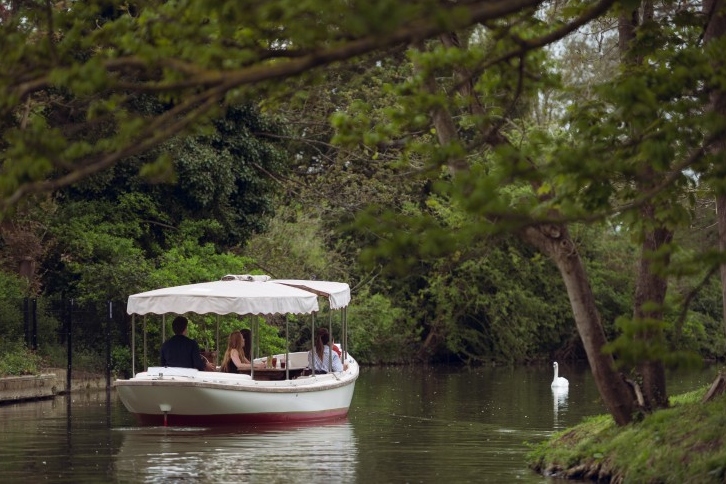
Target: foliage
{"x": 504, "y": 305}
{"x": 221, "y": 180}
{"x": 15, "y": 321}
{"x": 293, "y": 247}
{"x": 84, "y": 357}
{"x": 95, "y": 256}
{"x": 688, "y": 437}
{"x": 271, "y": 338}
{"x": 121, "y": 361}
{"x": 111, "y": 229}
{"x": 701, "y": 335}
{"x": 11, "y": 316}
{"x": 16, "y": 359}
{"x": 74, "y": 110}
{"x": 610, "y": 257}
{"x": 379, "y": 331}
{"x": 625, "y": 160}
{"x": 190, "y": 260}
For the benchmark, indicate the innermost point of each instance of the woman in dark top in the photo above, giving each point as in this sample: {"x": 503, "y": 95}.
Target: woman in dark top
{"x": 234, "y": 357}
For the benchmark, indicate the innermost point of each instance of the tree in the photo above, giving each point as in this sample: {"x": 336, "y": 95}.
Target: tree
{"x": 73, "y": 73}
{"x": 657, "y": 233}
{"x": 622, "y": 159}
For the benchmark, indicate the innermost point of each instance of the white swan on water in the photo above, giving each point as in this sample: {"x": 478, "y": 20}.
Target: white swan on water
{"x": 559, "y": 381}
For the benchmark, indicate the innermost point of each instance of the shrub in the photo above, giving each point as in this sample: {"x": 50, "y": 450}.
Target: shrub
{"x": 121, "y": 361}
{"x": 16, "y": 360}
{"x": 379, "y": 332}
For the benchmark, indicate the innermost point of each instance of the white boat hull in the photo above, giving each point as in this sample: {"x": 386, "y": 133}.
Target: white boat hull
{"x": 188, "y": 397}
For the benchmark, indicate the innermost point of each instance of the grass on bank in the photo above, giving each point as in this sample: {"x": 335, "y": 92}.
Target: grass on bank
{"x": 682, "y": 444}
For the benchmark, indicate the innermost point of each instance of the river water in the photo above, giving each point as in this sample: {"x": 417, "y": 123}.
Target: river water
{"x": 406, "y": 425}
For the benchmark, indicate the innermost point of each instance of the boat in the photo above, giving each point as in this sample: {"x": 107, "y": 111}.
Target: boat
{"x": 293, "y": 394}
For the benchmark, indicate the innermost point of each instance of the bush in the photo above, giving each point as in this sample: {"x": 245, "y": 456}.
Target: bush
{"x": 83, "y": 359}
{"x": 380, "y": 332}
{"x": 701, "y": 334}
{"x": 17, "y": 360}
{"x": 121, "y": 361}
{"x": 11, "y": 314}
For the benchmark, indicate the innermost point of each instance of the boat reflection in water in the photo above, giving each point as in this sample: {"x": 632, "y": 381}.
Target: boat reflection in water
{"x": 250, "y": 454}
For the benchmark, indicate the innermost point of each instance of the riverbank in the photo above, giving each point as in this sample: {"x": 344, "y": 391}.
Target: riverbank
{"x": 48, "y": 384}
{"x": 684, "y": 443}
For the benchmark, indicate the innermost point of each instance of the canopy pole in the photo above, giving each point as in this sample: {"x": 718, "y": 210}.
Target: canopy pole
{"x": 330, "y": 332}
{"x": 344, "y": 329}
{"x": 254, "y": 324}
{"x": 163, "y": 327}
{"x": 312, "y": 344}
{"x": 216, "y": 348}
{"x": 133, "y": 345}
{"x": 146, "y": 365}
{"x": 287, "y": 348}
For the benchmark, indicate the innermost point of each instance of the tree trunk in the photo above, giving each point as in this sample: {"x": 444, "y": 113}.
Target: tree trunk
{"x": 718, "y": 387}
{"x": 442, "y": 120}
{"x": 555, "y": 241}
{"x": 721, "y": 220}
{"x": 650, "y": 287}
{"x": 715, "y": 11}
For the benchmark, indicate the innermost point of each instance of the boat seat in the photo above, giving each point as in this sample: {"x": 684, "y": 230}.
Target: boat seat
{"x": 297, "y": 360}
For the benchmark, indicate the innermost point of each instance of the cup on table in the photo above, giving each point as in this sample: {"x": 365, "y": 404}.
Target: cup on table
{"x": 282, "y": 364}
{"x": 274, "y": 362}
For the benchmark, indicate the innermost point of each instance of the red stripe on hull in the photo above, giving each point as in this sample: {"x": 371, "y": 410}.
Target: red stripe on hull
{"x": 239, "y": 419}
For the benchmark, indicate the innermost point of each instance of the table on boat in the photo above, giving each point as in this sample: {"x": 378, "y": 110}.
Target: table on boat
{"x": 275, "y": 373}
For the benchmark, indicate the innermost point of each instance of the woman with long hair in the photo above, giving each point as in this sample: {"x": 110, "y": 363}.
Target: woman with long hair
{"x": 320, "y": 358}
{"x": 234, "y": 357}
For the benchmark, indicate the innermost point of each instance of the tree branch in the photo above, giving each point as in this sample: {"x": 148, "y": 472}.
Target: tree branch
{"x": 415, "y": 31}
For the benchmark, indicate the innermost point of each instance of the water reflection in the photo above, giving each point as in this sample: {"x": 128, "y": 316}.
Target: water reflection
{"x": 310, "y": 453}
{"x": 559, "y": 399}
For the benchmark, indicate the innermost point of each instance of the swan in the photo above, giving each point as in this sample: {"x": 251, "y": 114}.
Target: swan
{"x": 559, "y": 381}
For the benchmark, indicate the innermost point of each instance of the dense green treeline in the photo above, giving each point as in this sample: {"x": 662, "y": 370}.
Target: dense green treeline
{"x": 496, "y": 301}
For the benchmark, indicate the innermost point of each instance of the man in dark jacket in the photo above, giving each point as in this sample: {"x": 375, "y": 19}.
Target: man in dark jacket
{"x": 182, "y": 351}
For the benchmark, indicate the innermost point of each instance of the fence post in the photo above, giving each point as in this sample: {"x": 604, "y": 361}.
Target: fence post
{"x": 26, "y": 322}
{"x": 34, "y": 334}
{"x": 69, "y": 336}
{"x": 108, "y": 344}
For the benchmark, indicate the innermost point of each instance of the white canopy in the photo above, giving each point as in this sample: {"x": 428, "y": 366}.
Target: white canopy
{"x": 241, "y": 295}
{"x": 338, "y": 293}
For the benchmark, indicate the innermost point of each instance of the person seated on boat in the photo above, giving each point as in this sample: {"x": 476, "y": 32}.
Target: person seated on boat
{"x": 182, "y": 351}
{"x": 335, "y": 347}
{"x": 234, "y": 357}
{"x": 319, "y": 359}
